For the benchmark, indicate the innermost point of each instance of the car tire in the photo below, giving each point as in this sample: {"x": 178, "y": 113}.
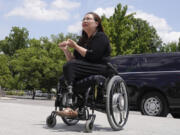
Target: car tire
{"x": 154, "y": 104}
{"x": 176, "y": 115}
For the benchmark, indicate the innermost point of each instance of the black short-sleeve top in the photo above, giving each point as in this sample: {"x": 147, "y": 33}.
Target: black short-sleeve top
{"x": 98, "y": 48}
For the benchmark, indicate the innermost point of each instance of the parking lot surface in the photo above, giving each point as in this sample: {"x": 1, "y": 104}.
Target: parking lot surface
{"x": 27, "y": 117}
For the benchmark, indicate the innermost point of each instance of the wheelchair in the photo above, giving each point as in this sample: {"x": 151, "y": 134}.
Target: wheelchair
{"x": 104, "y": 94}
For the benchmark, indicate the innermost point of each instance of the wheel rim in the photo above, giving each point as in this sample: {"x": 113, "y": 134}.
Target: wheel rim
{"x": 152, "y": 106}
{"x": 119, "y": 102}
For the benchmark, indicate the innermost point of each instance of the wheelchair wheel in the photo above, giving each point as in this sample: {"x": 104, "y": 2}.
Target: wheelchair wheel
{"x": 90, "y": 124}
{"x": 51, "y": 121}
{"x": 69, "y": 122}
{"x": 117, "y": 103}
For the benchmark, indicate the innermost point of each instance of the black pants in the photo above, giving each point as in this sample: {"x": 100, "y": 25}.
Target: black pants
{"x": 77, "y": 69}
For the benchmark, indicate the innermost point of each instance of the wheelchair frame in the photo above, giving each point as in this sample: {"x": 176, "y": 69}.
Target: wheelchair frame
{"x": 115, "y": 104}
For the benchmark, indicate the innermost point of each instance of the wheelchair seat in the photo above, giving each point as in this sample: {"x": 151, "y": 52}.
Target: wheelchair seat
{"x": 87, "y": 82}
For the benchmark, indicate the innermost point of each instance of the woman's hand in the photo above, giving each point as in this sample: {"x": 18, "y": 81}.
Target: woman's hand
{"x": 63, "y": 45}
{"x": 77, "y": 47}
{"x": 71, "y": 43}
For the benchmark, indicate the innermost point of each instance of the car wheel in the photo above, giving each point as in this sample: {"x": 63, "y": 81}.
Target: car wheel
{"x": 176, "y": 115}
{"x": 154, "y": 104}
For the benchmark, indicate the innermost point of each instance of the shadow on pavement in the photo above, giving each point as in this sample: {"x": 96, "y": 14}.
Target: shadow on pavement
{"x": 80, "y": 127}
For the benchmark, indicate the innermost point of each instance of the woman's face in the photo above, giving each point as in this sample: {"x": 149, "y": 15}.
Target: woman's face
{"x": 88, "y": 23}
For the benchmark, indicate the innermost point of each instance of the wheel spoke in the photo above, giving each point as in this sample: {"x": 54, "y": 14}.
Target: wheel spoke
{"x": 120, "y": 117}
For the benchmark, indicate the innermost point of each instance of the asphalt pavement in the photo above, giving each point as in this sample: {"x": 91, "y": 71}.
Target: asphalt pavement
{"x": 28, "y": 117}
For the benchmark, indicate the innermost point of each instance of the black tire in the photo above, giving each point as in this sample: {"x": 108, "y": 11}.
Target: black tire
{"x": 154, "y": 104}
{"x": 90, "y": 124}
{"x": 117, "y": 103}
{"x": 69, "y": 122}
{"x": 51, "y": 121}
{"x": 176, "y": 115}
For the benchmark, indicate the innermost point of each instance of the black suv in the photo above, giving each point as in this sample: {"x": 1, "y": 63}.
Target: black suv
{"x": 153, "y": 82}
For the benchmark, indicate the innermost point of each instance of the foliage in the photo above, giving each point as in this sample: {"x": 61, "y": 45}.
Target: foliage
{"x": 61, "y": 37}
{"x": 38, "y": 66}
{"x": 129, "y": 35}
{"x": 31, "y": 63}
{"x": 170, "y": 47}
{"x": 179, "y": 45}
{"x": 17, "y": 39}
{"x": 5, "y": 74}
{"x": 15, "y": 92}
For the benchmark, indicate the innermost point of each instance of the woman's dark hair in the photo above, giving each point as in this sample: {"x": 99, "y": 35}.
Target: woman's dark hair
{"x": 97, "y": 19}
{"x": 84, "y": 36}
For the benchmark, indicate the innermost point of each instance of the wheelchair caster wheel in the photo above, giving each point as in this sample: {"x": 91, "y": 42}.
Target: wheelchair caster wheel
{"x": 90, "y": 124}
{"x": 51, "y": 121}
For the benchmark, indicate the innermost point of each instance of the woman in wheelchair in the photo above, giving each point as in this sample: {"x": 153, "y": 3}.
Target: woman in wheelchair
{"x": 87, "y": 72}
{"x": 87, "y": 58}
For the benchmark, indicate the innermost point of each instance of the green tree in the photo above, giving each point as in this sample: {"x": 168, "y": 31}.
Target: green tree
{"x": 57, "y": 61}
{"x": 170, "y": 47}
{"x": 128, "y": 34}
{"x": 5, "y": 74}
{"x": 37, "y": 67}
{"x": 117, "y": 28}
{"x": 17, "y": 39}
{"x": 179, "y": 45}
{"x": 145, "y": 38}
{"x": 61, "y": 37}
{"x": 58, "y": 38}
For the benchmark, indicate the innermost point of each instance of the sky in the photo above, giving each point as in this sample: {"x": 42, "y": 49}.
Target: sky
{"x": 47, "y": 17}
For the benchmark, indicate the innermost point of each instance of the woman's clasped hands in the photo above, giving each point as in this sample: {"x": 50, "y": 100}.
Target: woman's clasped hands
{"x": 65, "y": 44}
